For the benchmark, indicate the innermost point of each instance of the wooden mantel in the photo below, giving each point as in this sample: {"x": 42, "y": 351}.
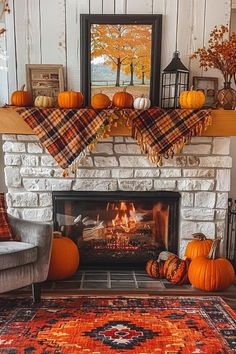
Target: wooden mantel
{"x": 224, "y": 124}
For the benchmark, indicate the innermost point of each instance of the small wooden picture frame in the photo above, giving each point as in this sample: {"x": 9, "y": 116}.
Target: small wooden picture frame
{"x": 44, "y": 79}
{"x": 209, "y": 86}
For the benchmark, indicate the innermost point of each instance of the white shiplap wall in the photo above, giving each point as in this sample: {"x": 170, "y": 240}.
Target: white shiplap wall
{"x": 42, "y": 31}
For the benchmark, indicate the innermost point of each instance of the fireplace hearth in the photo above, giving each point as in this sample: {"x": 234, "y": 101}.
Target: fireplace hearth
{"x": 118, "y": 229}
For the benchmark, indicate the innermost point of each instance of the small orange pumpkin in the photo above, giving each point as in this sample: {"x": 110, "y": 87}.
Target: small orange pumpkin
{"x": 21, "y": 98}
{"x": 100, "y": 101}
{"x": 192, "y": 99}
{"x": 176, "y": 270}
{"x": 64, "y": 258}
{"x": 70, "y": 99}
{"x": 155, "y": 269}
{"x": 123, "y": 99}
{"x": 212, "y": 272}
{"x": 200, "y": 246}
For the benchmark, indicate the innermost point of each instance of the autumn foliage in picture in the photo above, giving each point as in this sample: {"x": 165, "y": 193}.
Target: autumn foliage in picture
{"x": 120, "y": 56}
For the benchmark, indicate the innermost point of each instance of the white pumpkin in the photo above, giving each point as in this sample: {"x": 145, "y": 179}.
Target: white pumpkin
{"x": 44, "y": 101}
{"x": 142, "y": 102}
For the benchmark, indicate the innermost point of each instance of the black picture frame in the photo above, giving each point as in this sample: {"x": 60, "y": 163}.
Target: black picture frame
{"x": 85, "y": 49}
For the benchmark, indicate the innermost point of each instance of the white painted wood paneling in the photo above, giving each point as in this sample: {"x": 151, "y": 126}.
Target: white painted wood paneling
{"x": 96, "y": 6}
{"x": 3, "y": 69}
{"x": 34, "y": 40}
{"x": 53, "y": 31}
{"x": 139, "y": 6}
{"x": 184, "y": 33}
{"x": 108, "y": 6}
{"x": 73, "y": 11}
{"x": 11, "y": 49}
{"x": 158, "y": 7}
{"x": 120, "y": 6}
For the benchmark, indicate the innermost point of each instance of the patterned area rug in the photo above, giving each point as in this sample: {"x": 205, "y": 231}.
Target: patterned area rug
{"x": 98, "y": 325}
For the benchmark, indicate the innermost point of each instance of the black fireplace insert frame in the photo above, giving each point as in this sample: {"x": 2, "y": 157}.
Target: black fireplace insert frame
{"x": 169, "y": 197}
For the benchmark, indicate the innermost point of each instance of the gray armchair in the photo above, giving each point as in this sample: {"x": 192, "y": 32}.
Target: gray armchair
{"x": 26, "y": 262}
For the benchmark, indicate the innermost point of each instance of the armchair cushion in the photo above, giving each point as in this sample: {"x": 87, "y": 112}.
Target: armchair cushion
{"x": 5, "y": 229}
{"x": 15, "y": 254}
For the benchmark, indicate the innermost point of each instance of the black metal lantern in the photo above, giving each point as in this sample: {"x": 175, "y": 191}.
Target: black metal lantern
{"x": 175, "y": 79}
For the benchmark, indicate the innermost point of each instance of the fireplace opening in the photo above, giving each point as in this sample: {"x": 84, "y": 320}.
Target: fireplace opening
{"x": 118, "y": 229}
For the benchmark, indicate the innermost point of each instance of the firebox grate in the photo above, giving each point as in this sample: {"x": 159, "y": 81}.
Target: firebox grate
{"x": 88, "y": 279}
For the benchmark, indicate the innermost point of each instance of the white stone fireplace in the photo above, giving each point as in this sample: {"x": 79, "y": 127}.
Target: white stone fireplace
{"x": 201, "y": 173}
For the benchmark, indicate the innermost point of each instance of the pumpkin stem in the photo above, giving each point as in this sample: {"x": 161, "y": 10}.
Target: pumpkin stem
{"x": 57, "y": 234}
{"x": 199, "y": 236}
{"x": 192, "y": 88}
{"x": 215, "y": 249}
{"x": 22, "y": 87}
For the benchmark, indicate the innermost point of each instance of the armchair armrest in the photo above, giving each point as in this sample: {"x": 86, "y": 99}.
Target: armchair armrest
{"x": 40, "y": 235}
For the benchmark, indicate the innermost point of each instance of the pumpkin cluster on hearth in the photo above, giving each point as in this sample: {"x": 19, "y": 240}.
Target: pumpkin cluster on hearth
{"x": 201, "y": 266}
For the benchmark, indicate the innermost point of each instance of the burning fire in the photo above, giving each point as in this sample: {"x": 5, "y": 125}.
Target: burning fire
{"x": 124, "y": 218}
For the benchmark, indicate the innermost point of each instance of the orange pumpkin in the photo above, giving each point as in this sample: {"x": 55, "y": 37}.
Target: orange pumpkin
{"x": 212, "y": 272}
{"x": 100, "y": 101}
{"x": 64, "y": 258}
{"x": 21, "y": 98}
{"x": 176, "y": 270}
{"x": 70, "y": 99}
{"x": 123, "y": 99}
{"x": 155, "y": 269}
{"x": 200, "y": 246}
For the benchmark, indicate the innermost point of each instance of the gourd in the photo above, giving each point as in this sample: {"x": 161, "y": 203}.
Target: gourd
{"x": 64, "y": 258}
{"x": 70, "y": 99}
{"x": 192, "y": 99}
{"x": 44, "y": 101}
{"x": 155, "y": 268}
{"x": 122, "y": 99}
{"x": 142, "y": 103}
{"x": 176, "y": 270}
{"x": 200, "y": 246}
{"x": 212, "y": 272}
{"x": 21, "y": 98}
{"x": 100, "y": 101}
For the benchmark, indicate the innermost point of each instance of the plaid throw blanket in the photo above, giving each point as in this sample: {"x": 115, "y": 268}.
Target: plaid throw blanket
{"x": 66, "y": 133}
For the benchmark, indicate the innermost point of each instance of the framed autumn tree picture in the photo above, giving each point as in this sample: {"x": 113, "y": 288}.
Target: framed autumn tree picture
{"x": 120, "y": 51}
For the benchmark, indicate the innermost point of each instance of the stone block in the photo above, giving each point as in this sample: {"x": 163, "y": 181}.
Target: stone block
{"x": 222, "y": 200}
{"x": 46, "y": 184}
{"x": 170, "y": 172}
{"x": 103, "y": 148}
{"x": 187, "y": 228}
{"x": 32, "y": 137}
{"x": 220, "y": 229}
{"x": 45, "y": 199}
{"x": 12, "y": 160}
{"x": 193, "y": 161}
{"x": 39, "y": 214}
{"x": 130, "y": 140}
{"x": 201, "y": 149}
{"x": 176, "y": 161}
{"x": 119, "y": 139}
{"x": 48, "y": 160}
{"x": 132, "y": 149}
{"x": 24, "y": 199}
{"x": 93, "y": 173}
{"x": 135, "y": 185}
{"x": 12, "y": 177}
{"x": 29, "y": 160}
{"x": 216, "y": 161}
{"x": 201, "y": 140}
{"x": 197, "y": 214}
{"x": 221, "y": 146}
{"x": 182, "y": 247}
{"x": 147, "y": 173}
{"x": 195, "y": 184}
{"x": 108, "y": 139}
{"x": 34, "y": 148}
{"x": 85, "y": 162}
{"x": 122, "y": 173}
{"x": 95, "y": 185}
{"x": 223, "y": 180}
{"x": 221, "y": 214}
{"x": 134, "y": 161}
{"x": 9, "y": 137}
{"x": 187, "y": 199}
{"x": 37, "y": 172}
{"x": 14, "y": 146}
{"x": 167, "y": 184}
{"x": 205, "y": 199}
{"x": 103, "y": 161}
{"x": 198, "y": 172}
